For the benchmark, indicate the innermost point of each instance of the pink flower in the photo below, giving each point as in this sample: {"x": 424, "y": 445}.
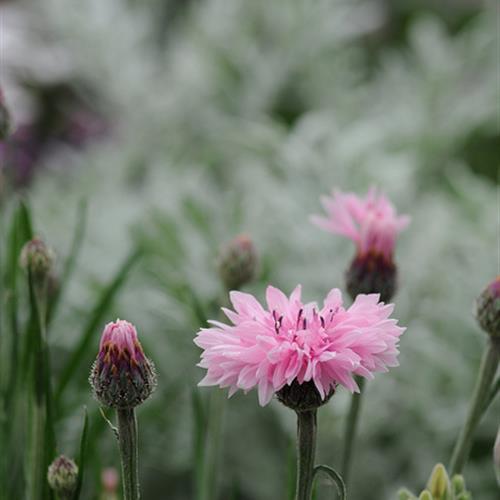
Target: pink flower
{"x": 291, "y": 341}
{"x": 372, "y": 223}
{"x": 122, "y": 376}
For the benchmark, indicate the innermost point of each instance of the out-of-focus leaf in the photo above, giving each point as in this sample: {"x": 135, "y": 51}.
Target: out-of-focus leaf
{"x": 82, "y": 455}
{"x": 69, "y": 266}
{"x": 95, "y": 318}
{"x": 199, "y": 438}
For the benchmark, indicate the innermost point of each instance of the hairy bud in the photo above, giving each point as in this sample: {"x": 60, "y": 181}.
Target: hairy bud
{"x": 62, "y": 476}
{"x": 237, "y": 262}
{"x": 122, "y": 377}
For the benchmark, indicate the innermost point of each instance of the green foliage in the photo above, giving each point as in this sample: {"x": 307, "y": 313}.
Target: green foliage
{"x": 439, "y": 487}
{"x": 239, "y": 122}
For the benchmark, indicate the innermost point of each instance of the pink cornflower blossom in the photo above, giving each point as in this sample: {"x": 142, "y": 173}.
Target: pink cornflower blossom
{"x": 370, "y": 222}
{"x": 289, "y": 342}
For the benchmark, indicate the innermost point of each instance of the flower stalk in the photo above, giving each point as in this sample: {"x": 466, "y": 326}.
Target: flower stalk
{"x": 306, "y": 450}
{"x": 351, "y": 429}
{"x": 487, "y": 371}
{"x": 127, "y": 440}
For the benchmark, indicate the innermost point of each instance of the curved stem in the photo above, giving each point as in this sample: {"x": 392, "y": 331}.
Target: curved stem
{"x": 127, "y": 439}
{"x": 306, "y": 449}
{"x": 351, "y": 429}
{"x": 487, "y": 370}
{"x": 335, "y": 477}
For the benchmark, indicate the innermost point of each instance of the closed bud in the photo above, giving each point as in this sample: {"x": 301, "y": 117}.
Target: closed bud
{"x": 404, "y": 494}
{"x": 439, "y": 483}
{"x": 62, "y": 477}
{"x": 425, "y": 495}
{"x": 488, "y": 309}
{"x": 237, "y": 262}
{"x": 122, "y": 377}
{"x": 372, "y": 273}
{"x": 458, "y": 484}
{"x": 37, "y": 259}
{"x": 4, "y": 118}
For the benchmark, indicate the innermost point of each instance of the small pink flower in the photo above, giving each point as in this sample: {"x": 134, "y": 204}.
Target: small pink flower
{"x": 371, "y": 222}
{"x": 294, "y": 342}
{"x": 122, "y": 376}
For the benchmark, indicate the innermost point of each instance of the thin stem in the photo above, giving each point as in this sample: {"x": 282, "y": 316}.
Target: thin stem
{"x": 41, "y": 438}
{"x": 217, "y": 407}
{"x": 209, "y": 473}
{"x": 487, "y": 370}
{"x": 127, "y": 439}
{"x": 306, "y": 449}
{"x": 351, "y": 429}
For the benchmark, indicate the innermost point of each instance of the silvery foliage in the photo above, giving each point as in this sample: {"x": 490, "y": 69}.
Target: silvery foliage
{"x": 200, "y": 153}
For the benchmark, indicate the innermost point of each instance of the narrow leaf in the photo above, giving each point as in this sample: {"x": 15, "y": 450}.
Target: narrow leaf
{"x": 335, "y": 477}
{"x": 69, "y": 266}
{"x": 82, "y": 455}
{"x": 95, "y": 318}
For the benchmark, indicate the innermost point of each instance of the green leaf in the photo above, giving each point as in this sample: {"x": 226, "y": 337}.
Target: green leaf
{"x": 20, "y": 232}
{"x": 82, "y": 455}
{"x": 335, "y": 477}
{"x": 199, "y": 413}
{"x": 96, "y": 316}
{"x": 69, "y": 266}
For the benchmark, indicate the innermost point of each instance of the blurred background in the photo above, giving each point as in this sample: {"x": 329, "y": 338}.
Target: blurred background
{"x": 183, "y": 123}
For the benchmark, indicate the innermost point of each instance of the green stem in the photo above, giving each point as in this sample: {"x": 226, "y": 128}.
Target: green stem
{"x": 42, "y": 437}
{"x": 306, "y": 449}
{"x": 127, "y": 440}
{"x": 217, "y": 406}
{"x": 487, "y": 370}
{"x": 351, "y": 429}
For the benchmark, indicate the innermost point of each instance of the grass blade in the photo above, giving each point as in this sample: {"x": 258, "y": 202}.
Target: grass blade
{"x": 82, "y": 455}
{"x": 69, "y": 266}
{"x": 95, "y": 319}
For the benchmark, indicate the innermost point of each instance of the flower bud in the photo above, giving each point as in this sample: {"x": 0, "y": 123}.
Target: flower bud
{"x": 122, "y": 377}
{"x": 425, "y": 495}
{"x": 302, "y": 397}
{"x": 439, "y": 483}
{"x": 62, "y": 476}
{"x": 37, "y": 259}
{"x": 488, "y": 309}
{"x": 237, "y": 262}
{"x": 4, "y": 118}
{"x": 458, "y": 485}
{"x": 372, "y": 273}
{"x": 404, "y": 494}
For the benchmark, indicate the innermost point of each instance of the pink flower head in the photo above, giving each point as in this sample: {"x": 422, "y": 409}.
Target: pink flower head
{"x": 122, "y": 376}
{"x": 371, "y": 222}
{"x": 289, "y": 341}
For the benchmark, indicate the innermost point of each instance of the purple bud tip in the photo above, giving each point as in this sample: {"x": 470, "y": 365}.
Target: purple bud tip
{"x": 62, "y": 476}
{"x": 488, "y": 309}
{"x": 122, "y": 376}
